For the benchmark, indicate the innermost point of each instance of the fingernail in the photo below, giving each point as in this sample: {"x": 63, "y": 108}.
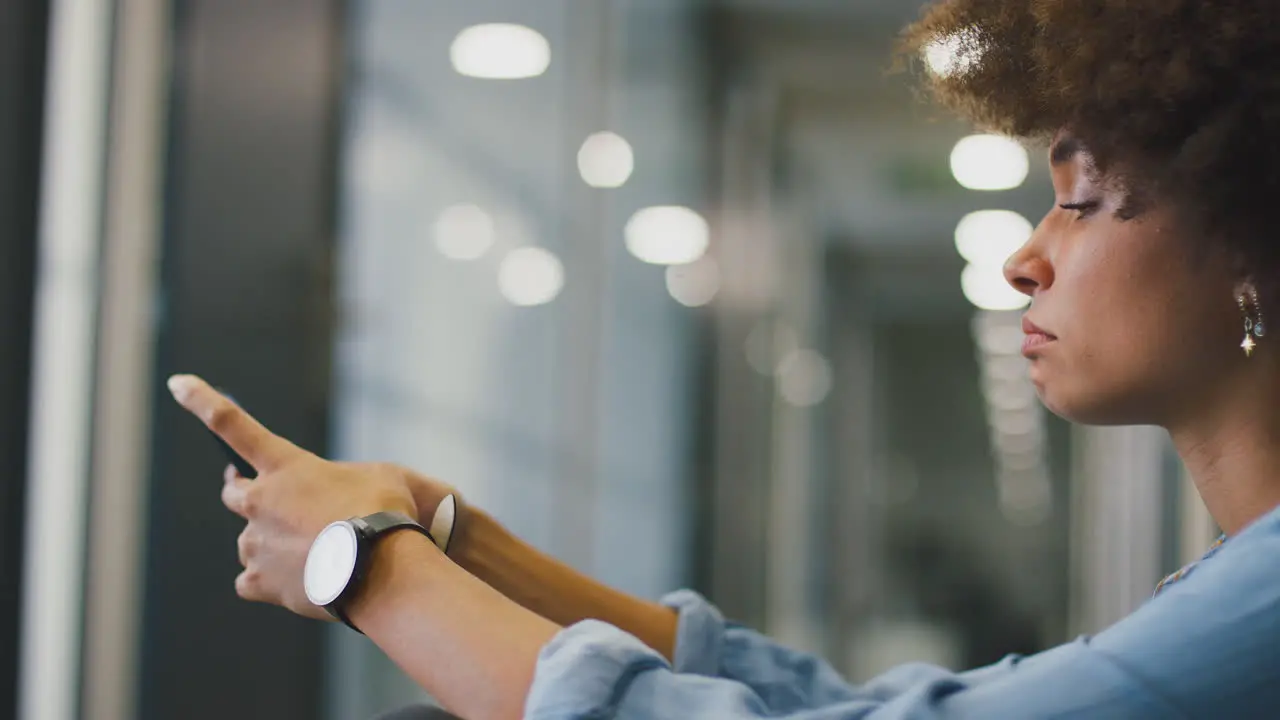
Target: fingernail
{"x": 181, "y": 386}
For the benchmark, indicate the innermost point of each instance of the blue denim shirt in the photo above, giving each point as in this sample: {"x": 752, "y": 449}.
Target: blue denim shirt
{"x": 1208, "y": 646}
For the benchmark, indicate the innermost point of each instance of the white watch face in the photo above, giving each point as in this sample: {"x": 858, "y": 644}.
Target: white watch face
{"x": 330, "y": 563}
{"x": 443, "y": 521}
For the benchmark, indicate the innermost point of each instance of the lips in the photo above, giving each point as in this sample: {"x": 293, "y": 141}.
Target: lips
{"x": 1030, "y": 328}
{"x": 1036, "y": 337}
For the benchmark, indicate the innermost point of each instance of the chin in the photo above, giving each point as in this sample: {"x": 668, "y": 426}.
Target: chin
{"x": 1089, "y": 405}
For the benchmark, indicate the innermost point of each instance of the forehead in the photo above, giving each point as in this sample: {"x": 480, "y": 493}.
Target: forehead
{"x": 1071, "y": 162}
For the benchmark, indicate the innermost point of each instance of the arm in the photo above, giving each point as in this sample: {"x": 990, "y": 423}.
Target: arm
{"x": 1073, "y": 682}
{"x": 482, "y": 656}
{"x": 463, "y": 642}
{"x": 485, "y": 657}
{"x": 1208, "y": 647}
{"x": 554, "y": 590}
{"x": 687, "y": 631}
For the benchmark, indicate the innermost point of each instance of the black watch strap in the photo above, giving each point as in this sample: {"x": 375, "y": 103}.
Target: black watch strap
{"x": 378, "y": 524}
{"x": 370, "y": 529}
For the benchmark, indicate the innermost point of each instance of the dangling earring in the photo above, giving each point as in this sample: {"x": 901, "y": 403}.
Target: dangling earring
{"x": 1253, "y": 325}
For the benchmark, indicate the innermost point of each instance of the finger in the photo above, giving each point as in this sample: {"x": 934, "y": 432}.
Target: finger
{"x": 248, "y": 587}
{"x": 262, "y": 448}
{"x": 246, "y": 547}
{"x": 231, "y": 474}
{"x": 239, "y": 494}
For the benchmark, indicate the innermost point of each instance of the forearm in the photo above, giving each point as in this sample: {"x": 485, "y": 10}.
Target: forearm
{"x": 556, "y": 591}
{"x": 472, "y": 649}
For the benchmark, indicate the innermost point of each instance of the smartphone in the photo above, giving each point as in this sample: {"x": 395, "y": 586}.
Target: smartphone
{"x": 242, "y": 465}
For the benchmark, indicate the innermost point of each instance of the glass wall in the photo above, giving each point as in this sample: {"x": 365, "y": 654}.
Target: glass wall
{"x": 812, "y": 423}
{"x": 495, "y": 329}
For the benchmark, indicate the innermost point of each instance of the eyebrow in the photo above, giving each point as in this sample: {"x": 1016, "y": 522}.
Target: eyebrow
{"x": 1065, "y": 150}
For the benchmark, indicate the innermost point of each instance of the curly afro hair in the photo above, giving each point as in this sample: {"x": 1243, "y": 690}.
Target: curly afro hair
{"x": 1178, "y": 101}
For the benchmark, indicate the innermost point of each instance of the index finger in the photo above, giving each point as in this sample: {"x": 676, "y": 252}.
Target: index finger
{"x": 262, "y": 448}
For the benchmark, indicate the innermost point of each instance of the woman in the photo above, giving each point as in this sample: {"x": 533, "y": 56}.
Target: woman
{"x": 1149, "y": 278}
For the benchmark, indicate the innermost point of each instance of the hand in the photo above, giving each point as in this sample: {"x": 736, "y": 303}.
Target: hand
{"x": 294, "y": 497}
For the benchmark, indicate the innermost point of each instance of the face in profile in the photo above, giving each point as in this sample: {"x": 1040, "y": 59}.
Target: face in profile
{"x": 1132, "y": 320}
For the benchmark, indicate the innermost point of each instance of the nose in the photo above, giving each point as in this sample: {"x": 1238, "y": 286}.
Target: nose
{"x": 1028, "y": 270}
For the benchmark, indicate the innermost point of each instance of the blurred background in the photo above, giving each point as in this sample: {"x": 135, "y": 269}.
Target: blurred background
{"x": 688, "y": 293}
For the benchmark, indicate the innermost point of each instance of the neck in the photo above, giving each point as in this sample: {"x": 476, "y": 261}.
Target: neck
{"x": 1232, "y": 449}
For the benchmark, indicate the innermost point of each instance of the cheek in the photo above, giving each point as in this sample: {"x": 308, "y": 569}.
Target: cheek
{"x": 1139, "y": 321}
{"x": 1113, "y": 296}
{"x": 1134, "y": 287}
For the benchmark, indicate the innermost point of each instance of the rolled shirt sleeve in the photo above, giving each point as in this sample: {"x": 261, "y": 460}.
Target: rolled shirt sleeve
{"x": 721, "y": 670}
{"x": 785, "y": 679}
{"x": 593, "y": 670}
{"x": 1207, "y": 648}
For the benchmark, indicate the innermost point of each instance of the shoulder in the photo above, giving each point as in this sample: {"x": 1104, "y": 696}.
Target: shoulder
{"x": 1266, "y": 526}
{"x": 1238, "y": 586}
{"x": 1212, "y": 640}
{"x": 1245, "y": 565}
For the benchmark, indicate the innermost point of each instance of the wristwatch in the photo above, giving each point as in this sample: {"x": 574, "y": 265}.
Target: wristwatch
{"x": 339, "y": 558}
{"x": 444, "y": 521}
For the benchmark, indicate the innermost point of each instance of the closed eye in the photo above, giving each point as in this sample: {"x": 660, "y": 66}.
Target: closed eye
{"x": 1084, "y": 209}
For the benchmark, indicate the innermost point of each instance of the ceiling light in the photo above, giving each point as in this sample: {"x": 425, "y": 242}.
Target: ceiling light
{"x": 1026, "y": 498}
{"x": 804, "y": 378}
{"x": 1002, "y": 339}
{"x": 1024, "y": 421}
{"x": 383, "y": 161}
{"x": 1011, "y": 396}
{"x": 1014, "y": 444}
{"x": 989, "y": 237}
{"x": 1006, "y": 368}
{"x": 530, "y": 276}
{"x": 695, "y": 284}
{"x": 605, "y": 160}
{"x": 986, "y": 288}
{"x": 667, "y": 235}
{"x": 500, "y": 51}
{"x": 463, "y": 232}
{"x": 1022, "y": 462}
{"x": 989, "y": 162}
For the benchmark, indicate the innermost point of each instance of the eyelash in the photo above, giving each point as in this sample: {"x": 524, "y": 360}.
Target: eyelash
{"x": 1083, "y": 208}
